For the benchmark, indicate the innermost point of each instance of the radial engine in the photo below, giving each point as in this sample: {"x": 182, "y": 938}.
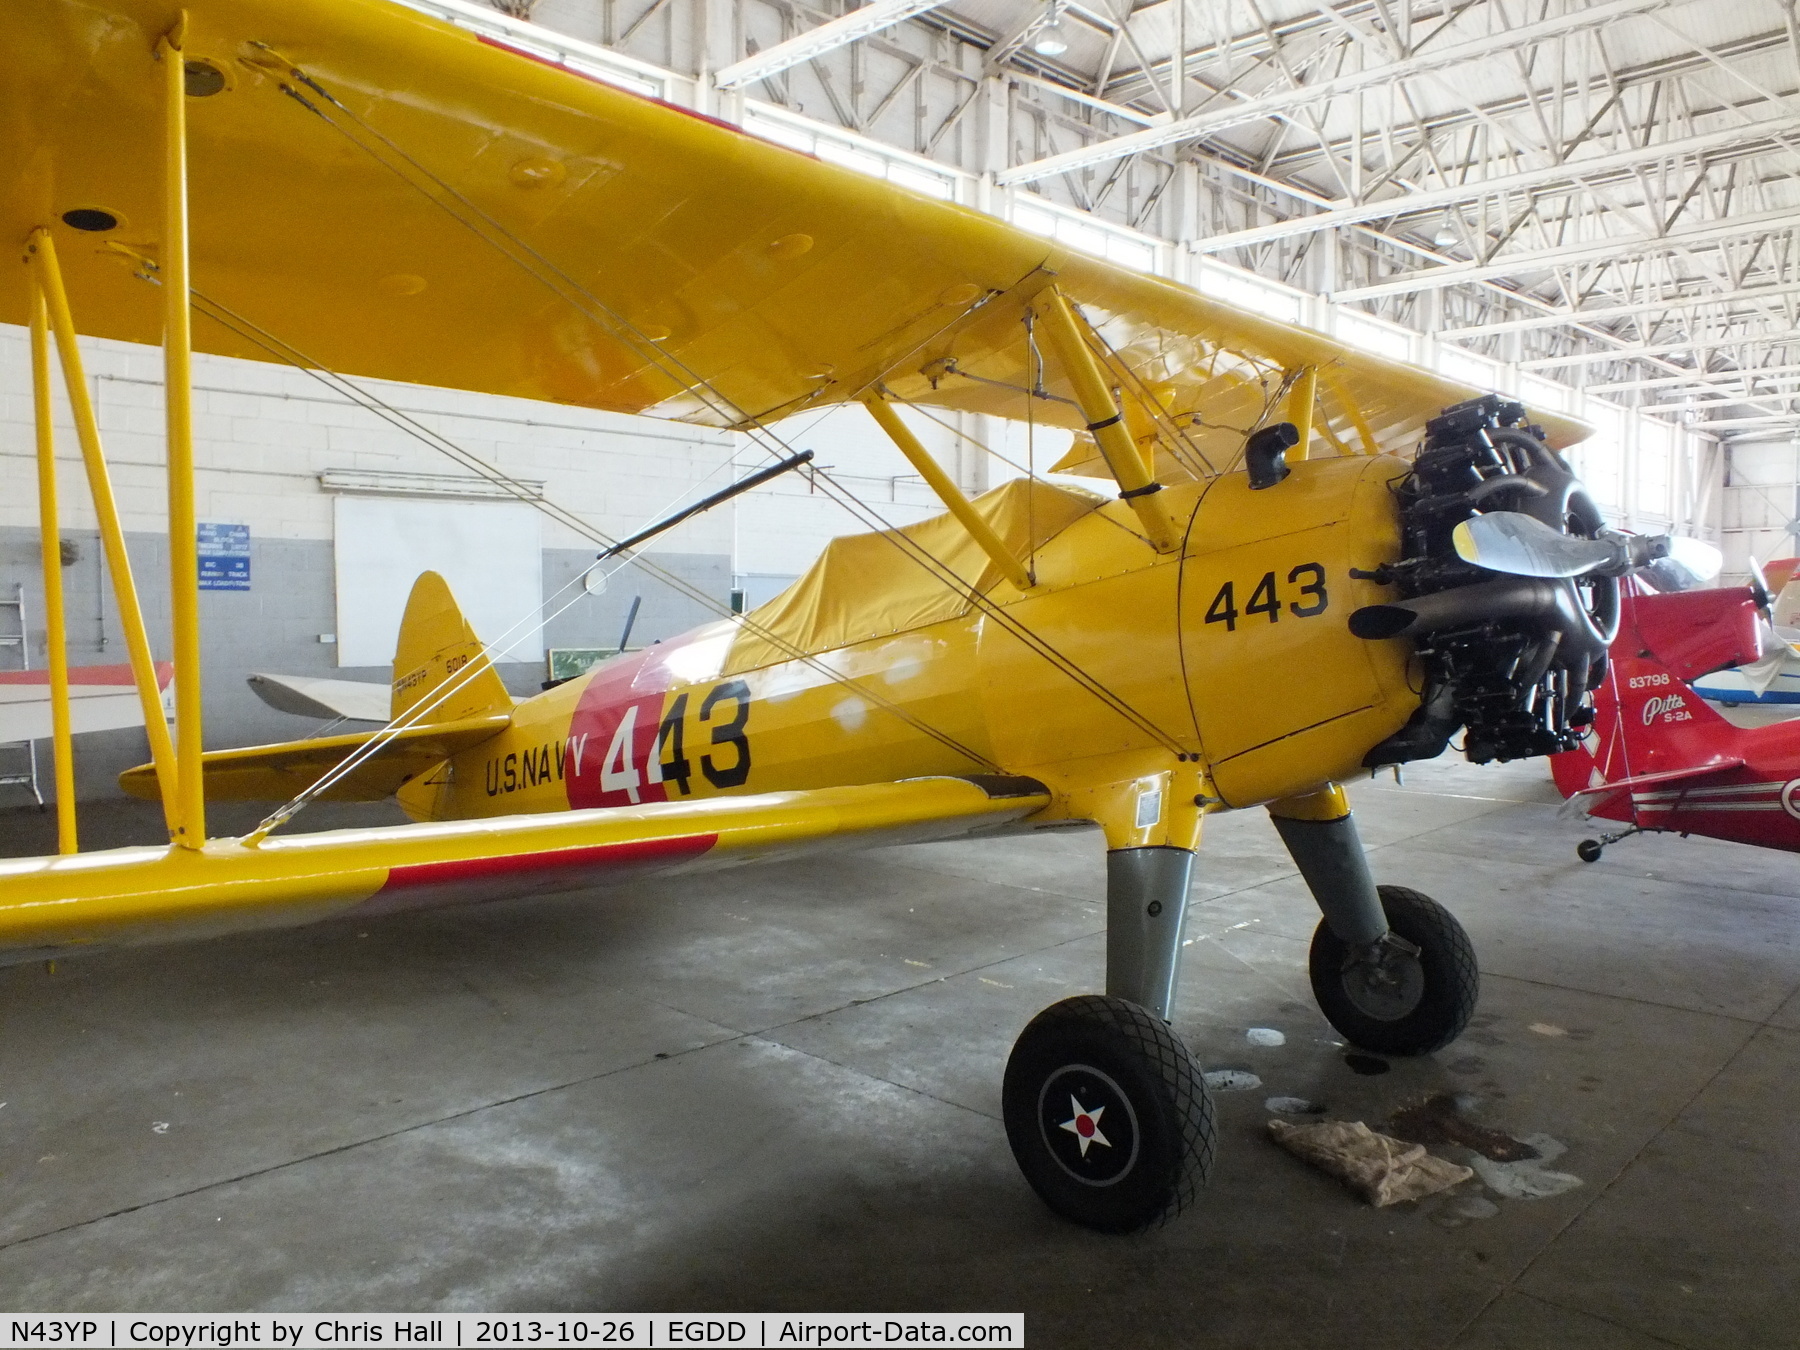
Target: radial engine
{"x": 1511, "y": 660}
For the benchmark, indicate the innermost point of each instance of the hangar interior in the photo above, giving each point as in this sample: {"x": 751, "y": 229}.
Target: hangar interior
{"x": 779, "y": 1087}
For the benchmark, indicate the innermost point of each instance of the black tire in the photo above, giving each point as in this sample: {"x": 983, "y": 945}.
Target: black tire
{"x": 1589, "y": 850}
{"x": 1139, "y": 1139}
{"x": 1438, "y": 992}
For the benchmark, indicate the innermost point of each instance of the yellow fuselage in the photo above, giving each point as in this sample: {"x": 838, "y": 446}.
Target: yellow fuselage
{"x": 1235, "y": 648}
{"x": 1233, "y": 655}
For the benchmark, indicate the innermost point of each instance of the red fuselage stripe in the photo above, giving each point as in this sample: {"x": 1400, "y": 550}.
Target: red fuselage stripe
{"x": 598, "y": 858}
{"x": 112, "y": 676}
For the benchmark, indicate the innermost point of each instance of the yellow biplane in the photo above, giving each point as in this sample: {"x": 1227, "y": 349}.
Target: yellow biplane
{"x": 1273, "y": 597}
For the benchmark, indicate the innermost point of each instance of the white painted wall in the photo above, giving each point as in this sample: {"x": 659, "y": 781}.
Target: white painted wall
{"x": 264, "y": 434}
{"x": 489, "y": 552}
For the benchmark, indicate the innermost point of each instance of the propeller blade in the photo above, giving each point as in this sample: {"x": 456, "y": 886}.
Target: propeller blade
{"x": 1697, "y": 557}
{"x": 1759, "y": 586}
{"x": 1523, "y": 546}
{"x": 1689, "y": 563}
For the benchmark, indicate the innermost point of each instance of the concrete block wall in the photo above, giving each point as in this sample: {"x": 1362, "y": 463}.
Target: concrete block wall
{"x": 263, "y": 435}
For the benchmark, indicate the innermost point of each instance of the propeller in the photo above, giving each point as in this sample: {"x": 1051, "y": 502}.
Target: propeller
{"x": 1760, "y": 592}
{"x": 1523, "y": 546}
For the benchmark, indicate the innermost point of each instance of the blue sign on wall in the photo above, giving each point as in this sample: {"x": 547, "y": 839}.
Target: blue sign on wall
{"x": 224, "y": 557}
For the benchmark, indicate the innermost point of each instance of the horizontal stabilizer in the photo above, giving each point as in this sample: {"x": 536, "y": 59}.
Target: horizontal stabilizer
{"x": 1589, "y": 800}
{"x": 275, "y": 773}
{"x": 309, "y": 697}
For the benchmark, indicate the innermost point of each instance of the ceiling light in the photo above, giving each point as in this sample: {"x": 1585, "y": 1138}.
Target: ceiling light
{"x": 1050, "y": 39}
{"x": 1446, "y": 235}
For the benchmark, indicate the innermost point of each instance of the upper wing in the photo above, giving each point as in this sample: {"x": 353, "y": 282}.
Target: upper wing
{"x": 275, "y": 773}
{"x": 151, "y": 894}
{"x": 395, "y": 196}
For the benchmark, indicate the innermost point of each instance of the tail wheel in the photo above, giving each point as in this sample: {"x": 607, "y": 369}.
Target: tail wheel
{"x": 1107, "y": 1114}
{"x": 1413, "y": 993}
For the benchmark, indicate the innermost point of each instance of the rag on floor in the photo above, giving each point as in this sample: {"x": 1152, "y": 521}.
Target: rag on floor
{"x": 1381, "y": 1169}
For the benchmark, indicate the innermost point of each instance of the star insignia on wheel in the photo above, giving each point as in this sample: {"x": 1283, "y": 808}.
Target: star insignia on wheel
{"x": 1085, "y": 1125}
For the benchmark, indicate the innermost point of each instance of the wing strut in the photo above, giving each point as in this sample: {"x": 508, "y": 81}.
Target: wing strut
{"x": 948, "y": 493}
{"x": 1106, "y": 422}
{"x": 178, "y": 399}
{"x": 1302, "y": 398}
{"x": 50, "y": 533}
{"x": 49, "y": 283}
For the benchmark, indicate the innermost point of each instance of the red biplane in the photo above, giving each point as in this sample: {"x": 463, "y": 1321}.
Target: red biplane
{"x": 1657, "y": 756}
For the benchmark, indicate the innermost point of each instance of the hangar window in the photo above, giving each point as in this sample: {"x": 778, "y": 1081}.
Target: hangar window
{"x": 864, "y": 156}
{"x": 1543, "y": 395}
{"x": 1600, "y": 460}
{"x": 1372, "y": 335}
{"x": 1468, "y": 367}
{"x": 1655, "y": 468}
{"x": 1237, "y": 287}
{"x": 1125, "y": 247}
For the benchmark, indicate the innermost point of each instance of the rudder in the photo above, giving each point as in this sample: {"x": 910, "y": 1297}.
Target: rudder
{"x": 436, "y": 647}
{"x": 1648, "y": 719}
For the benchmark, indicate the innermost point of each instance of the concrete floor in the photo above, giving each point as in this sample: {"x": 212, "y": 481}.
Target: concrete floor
{"x": 779, "y": 1089}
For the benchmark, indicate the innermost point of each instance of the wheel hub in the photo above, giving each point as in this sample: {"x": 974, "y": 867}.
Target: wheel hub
{"x": 1087, "y": 1125}
{"x": 1385, "y": 980}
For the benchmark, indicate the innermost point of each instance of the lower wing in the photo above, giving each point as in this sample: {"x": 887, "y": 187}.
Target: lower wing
{"x": 140, "y": 895}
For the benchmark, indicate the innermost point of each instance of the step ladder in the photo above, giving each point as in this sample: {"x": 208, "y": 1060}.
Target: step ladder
{"x": 18, "y": 759}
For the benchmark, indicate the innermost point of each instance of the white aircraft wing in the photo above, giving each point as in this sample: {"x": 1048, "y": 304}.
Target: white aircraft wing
{"x": 309, "y": 697}
{"x": 101, "y": 698}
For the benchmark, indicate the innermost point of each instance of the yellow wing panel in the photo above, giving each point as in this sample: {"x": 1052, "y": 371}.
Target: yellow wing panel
{"x": 393, "y": 196}
{"x": 141, "y": 895}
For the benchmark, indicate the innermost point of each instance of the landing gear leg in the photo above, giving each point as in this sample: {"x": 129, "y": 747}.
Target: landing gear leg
{"x": 1105, "y": 1109}
{"x": 1392, "y": 969}
{"x": 1146, "y": 901}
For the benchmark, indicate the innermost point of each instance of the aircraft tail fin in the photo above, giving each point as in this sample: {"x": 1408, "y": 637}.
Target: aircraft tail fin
{"x": 1649, "y": 724}
{"x": 438, "y": 657}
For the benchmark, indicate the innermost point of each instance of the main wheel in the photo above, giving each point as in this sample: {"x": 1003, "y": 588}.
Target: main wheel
{"x": 1416, "y": 996}
{"x": 1108, "y": 1114}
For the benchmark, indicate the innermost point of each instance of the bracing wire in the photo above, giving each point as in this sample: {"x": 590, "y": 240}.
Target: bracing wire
{"x": 691, "y": 381}
{"x": 412, "y": 717}
{"x": 419, "y": 712}
{"x": 285, "y": 352}
{"x": 1177, "y": 441}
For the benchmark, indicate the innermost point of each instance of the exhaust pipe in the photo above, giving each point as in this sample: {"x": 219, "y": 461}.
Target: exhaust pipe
{"x": 1527, "y": 598}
